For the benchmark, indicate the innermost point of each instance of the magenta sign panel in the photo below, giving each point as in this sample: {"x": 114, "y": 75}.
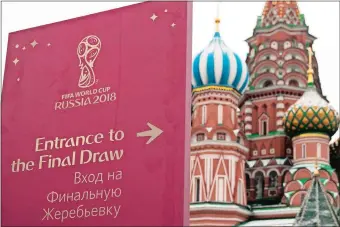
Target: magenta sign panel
{"x": 96, "y": 120}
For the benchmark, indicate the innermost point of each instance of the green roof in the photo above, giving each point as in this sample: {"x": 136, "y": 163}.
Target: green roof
{"x": 220, "y": 204}
{"x": 289, "y": 194}
{"x": 328, "y": 168}
{"x": 311, "y": 167}
{"x": 303, "y": 180}
{"x": 302, "y": 19}
{"x": 323, "y": 181}
{"x": 316, "y": 210}
{"x": 272, "y": 133}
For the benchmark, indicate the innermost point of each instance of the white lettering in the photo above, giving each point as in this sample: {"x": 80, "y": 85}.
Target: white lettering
{"x": 80, "y": 212}
{"x": 37, "y": 143}
{"x": 84, "y": 98}
{"x": 103, "y": 194}
{"x": 117, "y": 192}
{"x": 118, "y": 175}
{"x": 48, "y": 214}
{"x": 116, "y": 135}
{"x": 59, "y": 143}
{"x": 87, "y": 156}
{"x": 88, "y": 178}
{"x": 116, "y": 210}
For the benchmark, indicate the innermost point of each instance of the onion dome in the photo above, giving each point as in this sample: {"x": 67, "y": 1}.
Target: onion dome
{"x": 217, "y": 65}
{"x": 311, "y": 113}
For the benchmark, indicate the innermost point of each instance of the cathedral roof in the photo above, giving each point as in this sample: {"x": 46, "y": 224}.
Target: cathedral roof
{"x": 311, "y": 113}
{"x": 217, "y": 65}
{"x": 316, "y": 209}
{"x": 286, "y": 12}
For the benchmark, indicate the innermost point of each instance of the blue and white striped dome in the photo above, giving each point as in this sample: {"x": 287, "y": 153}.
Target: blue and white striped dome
{"x": 218, "y": 65}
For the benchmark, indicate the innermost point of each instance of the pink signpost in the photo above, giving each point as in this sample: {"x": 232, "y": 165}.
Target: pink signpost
{"x": 96, "y": 120}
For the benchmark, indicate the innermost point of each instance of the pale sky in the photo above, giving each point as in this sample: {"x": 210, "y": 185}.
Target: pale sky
{"x": 238, "y": 20}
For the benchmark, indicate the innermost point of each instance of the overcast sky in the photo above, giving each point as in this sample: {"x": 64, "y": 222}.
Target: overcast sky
{"x": 238, "y": 20}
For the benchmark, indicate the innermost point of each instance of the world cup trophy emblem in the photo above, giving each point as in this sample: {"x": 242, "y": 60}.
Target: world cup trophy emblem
{"x": 88, "y": 50}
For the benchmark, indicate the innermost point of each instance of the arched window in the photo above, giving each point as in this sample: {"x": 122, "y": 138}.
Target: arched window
{"x": 264, "y": 122}
{"x": 241, "y": 141}
{"x": 259, "y": 188}
{"x": 318, "y": 150}
{"x": 293, "y": 83}
{"x": 304, "y": 152}
{"x": 220, "y": 114}
{"x": 204, "y": 114}
{"x": 273, "y": 179}
{"x": 197, "y": 189}
{"x": 200, "y": 137}
{"x": 264, "y": 127}
{"x": 238, "y": 138}
{"x": 221, "y": 136}
{"x": 247, "y": 181}
{"x": 268, "y": 83}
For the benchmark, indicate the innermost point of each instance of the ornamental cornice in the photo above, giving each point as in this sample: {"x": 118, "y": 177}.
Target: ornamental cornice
{"x": 264, "y": 52}
{"x": 219, "y": 207}
{"x": 295, "y": 62}
{"x": 215, "y": 88}
{"x": 218, "y": 145}
{"x": 309, "y": 135}
{"x": 293, "y": 49}
{"x": 271, "y": 91}
{"x": 216, "y": 95}
{"x": 279, "y": 27}
{"x": 217, "y": 102}
{"x": 266, "y": 137}
{"x": 259, "y": 64}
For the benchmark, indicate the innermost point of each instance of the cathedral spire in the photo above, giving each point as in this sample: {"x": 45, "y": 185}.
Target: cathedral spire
{"x": 310, "y": 71}
{"x": 217, "y": 19}
{"x": 316, "y": 209}
{"x": 281, "y": 6}
{"x": 285, "y": 11}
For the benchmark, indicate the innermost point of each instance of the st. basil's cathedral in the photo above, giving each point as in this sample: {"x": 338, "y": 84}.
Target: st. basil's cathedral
{"x": 260, "y": 153}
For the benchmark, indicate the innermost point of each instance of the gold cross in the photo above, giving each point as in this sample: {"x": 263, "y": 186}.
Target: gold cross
{"x": 310, "y": 71}
{"x": 316, "y": 171}
{"x": 217, "y": 20}
{"x": 310, "y": 54}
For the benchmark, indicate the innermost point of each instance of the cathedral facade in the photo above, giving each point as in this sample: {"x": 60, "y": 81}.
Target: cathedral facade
{"x": 260, "y": 135}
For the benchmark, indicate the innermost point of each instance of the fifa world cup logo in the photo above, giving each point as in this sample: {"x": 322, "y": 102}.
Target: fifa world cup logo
{"x": 88, "y": 50}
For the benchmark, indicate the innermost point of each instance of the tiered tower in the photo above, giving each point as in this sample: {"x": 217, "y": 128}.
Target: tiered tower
{"x": 316, "y": 209}
{"x": 277, "y": 62}
{"x": 218, "y": 149}
{"x": 310, "y": 122}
